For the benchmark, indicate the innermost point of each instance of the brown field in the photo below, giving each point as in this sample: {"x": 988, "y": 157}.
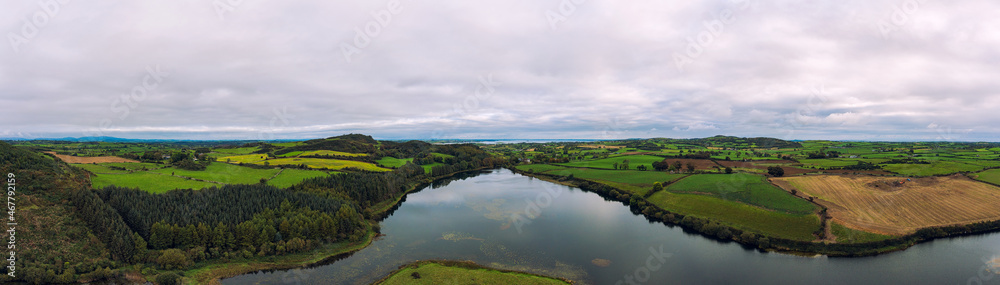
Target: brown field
{"x": 95, "y": 159}
{"x": 892, "y": 205}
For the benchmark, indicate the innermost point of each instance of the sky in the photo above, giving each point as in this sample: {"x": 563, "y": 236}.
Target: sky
{"x": 513, "y": 69}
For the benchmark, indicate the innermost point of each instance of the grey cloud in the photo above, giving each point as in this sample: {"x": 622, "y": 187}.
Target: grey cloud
{"x": 608, "y": 70}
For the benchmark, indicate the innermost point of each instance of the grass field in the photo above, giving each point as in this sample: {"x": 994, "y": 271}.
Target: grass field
{"x": 608, "y": 163}
{"x": 633, "y": 181}
{"x": 216, "y": 174}
{"x": 239, "y": 150}
{"x": 389, "y": 161}
{"x": 100, "y": 169}
{"x": 224, "y": 173}
{"x": 246, "y": 158}
{"x": 747, "y": 188}
{"x": 991, "y": 176}
{"x": 335, "y": 164}
{"x": 836, "y": 162}
{"x": 849, "y": 235}
{"x": 289, "y": 177}
{"x": 151, "y": 182}
{"x": 739, "y": 215}
{"x": 539, "y": 167}
{"x": 934, "y": 168}
{"x": 881, "y": 205}
{"x": 461, "y": 273}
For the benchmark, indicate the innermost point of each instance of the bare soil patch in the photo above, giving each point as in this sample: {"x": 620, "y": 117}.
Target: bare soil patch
{"x": 94, "y": 159}
{"x": 895, "y": 206}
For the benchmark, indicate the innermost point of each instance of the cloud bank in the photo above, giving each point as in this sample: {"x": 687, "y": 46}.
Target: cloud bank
{"x": 227, "y": 69}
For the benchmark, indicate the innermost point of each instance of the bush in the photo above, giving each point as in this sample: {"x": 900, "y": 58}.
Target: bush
{"x": 173, "y": 258}
{"x": 168, "y": 278}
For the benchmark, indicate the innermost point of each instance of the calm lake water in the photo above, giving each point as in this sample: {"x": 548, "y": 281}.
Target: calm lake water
{"x": 580, "y": 236}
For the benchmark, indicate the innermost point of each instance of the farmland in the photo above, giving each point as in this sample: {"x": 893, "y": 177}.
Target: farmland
{"x": 148, "y": 181}
{"x": 896, "y": 206}
{"x": 223, "y": 173}
{"x": 392, "y": 162}
{"x": 321, "y": 163}
{"x": 740, "y": 215}
{"x": 90, "y": 159}
{"x": 991, "y": 176}
{"x": 289, "y": 177}
{"x": 747, "y": 188}
{"x": 636, "y": 182}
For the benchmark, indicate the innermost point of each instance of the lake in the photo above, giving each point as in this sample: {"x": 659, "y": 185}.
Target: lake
{"x": 566, "y": 232}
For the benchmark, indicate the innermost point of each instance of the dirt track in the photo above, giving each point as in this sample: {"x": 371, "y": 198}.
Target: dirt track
{"x": 95, "y": 159}
{"x": 892, "y": 205}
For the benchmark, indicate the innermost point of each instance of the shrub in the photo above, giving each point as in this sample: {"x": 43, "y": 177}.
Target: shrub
{"x": 168, "y": 278}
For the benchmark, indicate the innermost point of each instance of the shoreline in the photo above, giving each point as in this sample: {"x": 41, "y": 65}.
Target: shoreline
{"x": 213, "y": 273}
{"x": 794, "y": 247}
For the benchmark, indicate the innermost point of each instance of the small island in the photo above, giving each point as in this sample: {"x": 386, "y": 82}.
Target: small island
{"x": 443, "y": 272}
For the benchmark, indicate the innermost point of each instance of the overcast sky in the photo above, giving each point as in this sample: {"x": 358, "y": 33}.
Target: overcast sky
{"x": 251, "y": 69}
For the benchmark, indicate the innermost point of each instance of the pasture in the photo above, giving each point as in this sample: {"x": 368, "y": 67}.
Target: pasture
{"x": 246, "y": 158}
{"x": 739, "y": 215}
{"x": 334, "y": 164}
{"x": 634, "y": 181}
{"x": 747, "y": 188}
{"x": 608, "y": 163}
{"x": 991, "y": 176}
{"x": 147, "y": 181}
{"x": 289, "y": 177}
{"x": 934, "y": 168}
{"x": 392, "y": 162}
{"x": 223, "y": 173}
{"x": 886, "y": 206}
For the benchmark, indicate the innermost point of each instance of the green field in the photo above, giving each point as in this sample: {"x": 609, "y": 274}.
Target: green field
{"x": 289, "y": 177}
{"x": 848, "y": 235}
{"x": 223, "y": 173}
{"x": 747, "y": 188}
{"x": 539, "y": 167}
{"x": 147, "y": 181}
{"x": 991, "y": 176}
{"x": 633, "y": 181}
{"x": 335, "y": 164}
{"x": 100, "y": 169}
{"x": 290, "y": 154}
{"x": 240, "y": 150}
{"x": 739, "y": 215}
{"x": 389, "y": 161}
{"x": 934, "y": 168}
{"x": 836, "y": 162}
{"x": 105, "y": 167}
{"x": 608, "y": 163}
{"x": 247, "y": 158}
{"x": 458, "y": 273}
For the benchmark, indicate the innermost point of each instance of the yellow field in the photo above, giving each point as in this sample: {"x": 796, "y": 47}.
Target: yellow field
{"x": 335, "y": 164}
{"x": 893, "y": 205}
